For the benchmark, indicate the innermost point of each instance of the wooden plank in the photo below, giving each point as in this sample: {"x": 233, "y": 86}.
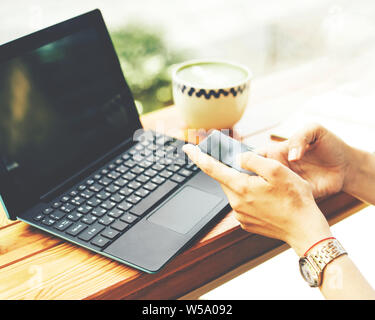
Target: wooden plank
{"x": 4, "y": 221}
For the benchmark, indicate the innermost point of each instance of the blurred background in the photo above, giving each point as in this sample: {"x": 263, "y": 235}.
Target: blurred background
{"x": 151, "y": 36}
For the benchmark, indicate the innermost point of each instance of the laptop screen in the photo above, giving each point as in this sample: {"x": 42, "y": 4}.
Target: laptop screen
{"x": 62, "y": 105}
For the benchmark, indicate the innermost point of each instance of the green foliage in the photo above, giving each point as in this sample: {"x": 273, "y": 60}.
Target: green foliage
{"x": 146, "y": 61}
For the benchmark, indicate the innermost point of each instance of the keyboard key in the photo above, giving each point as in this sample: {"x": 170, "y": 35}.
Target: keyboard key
{"x": 67, "y": 207}
{"x": 115, "y": 212}
{"x": 137, "y": 170}
{"x": 165, "y": 161}
{"x": 75, "y": 216}
{"x": 100, "y": 241}
{"x": 128, "y": 218}
{"x": 105, "y": 181}
{"x": 112, "y": 188}
{"x": 65, "y": 199}
{"x": 142, "y": 192}
{"x": 130, "y": 163}
{"x": 38, "y": 217}
{"x": 158, "y": 180}
{"x": 113, "y": 175}
{"x": 119, "y": 225}
{"x": 112, "y": 166}
{"x": 125, "y": 156}
{"x": 150, "y": 186}
{"x": 181, "y": 161}
{"x": 138, "y": 157}
{"x": 122, "y": 169}
{"x": 91, "y": 232}
{"x": 151, "y": 173}
{"x": 185, "y": 172}
{"x": 94, "y": 202}
{"x": 103, "y": 195}
{"x": 177, "y": 178}
{"x": 158, "y": 167}
{"x": 108, "y": 204}
{"x": 153, "y": 198}
{"x": 166, "y": 174}
{"x": 89, "y": 219}
{"x": 160, "y": 153}
{"x": 73, "y": 193}
{"x": 63, "y": 224}
{"x": 57, "y": 215}
{"x": 133, "y": 199}
{"x": 173, "y": 167}
{"x": 124, "y": 206}
{"x": 77, "y": 201}
{"x": 84, "y": 209}
{"x": 99, "y": 175}
{"x": 89, "y": 182}
{"x": 121, "y": 182}
{"x": 47, "y": 210}
{"x": 48, "y": 221}
{"x": 106, "y": 220}
{"x": 126, "y": 191}
{"x": 76, "y": 229}
{"x": 118, "y": 161}
{"x": 142, "y": 179}
{"x": 96, "y": 187}
{"x": 117, "y": 198}
{"x": 134, "y": 185}
{"x": 145, "y": 164}
{"x": 99, "y": 212}
{"x": 56, "y": 204}
{"x": 87, "y": 194}
{"x": 109, "y": 233}
{"x": 129, "y": 176}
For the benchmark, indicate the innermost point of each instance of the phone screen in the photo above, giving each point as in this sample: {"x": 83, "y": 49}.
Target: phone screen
{"x": 225, "y": 149}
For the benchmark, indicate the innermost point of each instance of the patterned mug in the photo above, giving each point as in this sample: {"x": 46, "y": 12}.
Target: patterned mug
{"x": 211, "y": 94}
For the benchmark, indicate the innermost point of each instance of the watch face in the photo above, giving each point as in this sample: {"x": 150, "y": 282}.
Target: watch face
{"x": 308, "y": 272}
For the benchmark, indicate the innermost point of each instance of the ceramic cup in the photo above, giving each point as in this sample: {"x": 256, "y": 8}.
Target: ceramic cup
{"x": 211, "y": 94}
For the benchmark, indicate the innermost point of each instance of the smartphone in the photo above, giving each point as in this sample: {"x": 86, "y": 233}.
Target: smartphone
{"x": 225, "y": 149}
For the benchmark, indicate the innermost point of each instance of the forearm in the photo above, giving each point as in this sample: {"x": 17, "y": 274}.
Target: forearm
{"x": 360, "y": 178}
{"x": 343, "y": 280}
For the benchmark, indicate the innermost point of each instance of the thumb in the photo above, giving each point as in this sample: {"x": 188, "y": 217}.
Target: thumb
{"x": 304, "y": 140}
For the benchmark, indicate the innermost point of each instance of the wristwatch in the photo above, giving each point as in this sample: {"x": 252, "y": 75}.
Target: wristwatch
{"x": 314, "y": 261}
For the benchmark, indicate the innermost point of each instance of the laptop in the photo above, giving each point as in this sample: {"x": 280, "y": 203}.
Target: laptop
{"x": 75, "y": 161}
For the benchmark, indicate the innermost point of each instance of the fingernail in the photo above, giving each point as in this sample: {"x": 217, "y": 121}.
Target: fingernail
{"x": 293, "y": 154}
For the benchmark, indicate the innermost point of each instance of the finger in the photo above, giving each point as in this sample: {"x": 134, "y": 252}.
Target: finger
{"x": 269, "y": 169}
{"x": 278, "y": 151}
{"x": 300, "y": 142}
{"x": 214, "y": 168}
{"x": 262, "y": 151}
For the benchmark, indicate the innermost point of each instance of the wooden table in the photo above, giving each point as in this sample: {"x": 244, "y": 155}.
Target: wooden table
{"x": 36, "y": 265}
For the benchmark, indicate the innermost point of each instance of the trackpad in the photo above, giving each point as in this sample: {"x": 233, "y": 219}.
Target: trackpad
{"x": 182, "y": 212}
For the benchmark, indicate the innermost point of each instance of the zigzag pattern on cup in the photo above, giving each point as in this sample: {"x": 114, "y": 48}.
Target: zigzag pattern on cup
{"x": 211, "y": 93}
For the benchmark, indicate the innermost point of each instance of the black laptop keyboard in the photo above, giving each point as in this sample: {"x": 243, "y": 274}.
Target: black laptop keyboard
{"x": 117, "y": 196}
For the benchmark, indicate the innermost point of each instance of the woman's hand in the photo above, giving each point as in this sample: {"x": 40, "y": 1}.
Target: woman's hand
{"x": 318, "y": 156}
{"x": 277, "y": 203}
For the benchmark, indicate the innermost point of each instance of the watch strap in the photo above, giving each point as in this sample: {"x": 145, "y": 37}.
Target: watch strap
{"x": 325, "y": 252}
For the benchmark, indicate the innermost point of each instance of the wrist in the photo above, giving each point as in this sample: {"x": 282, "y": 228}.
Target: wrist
{"x": 313, "y": 228}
